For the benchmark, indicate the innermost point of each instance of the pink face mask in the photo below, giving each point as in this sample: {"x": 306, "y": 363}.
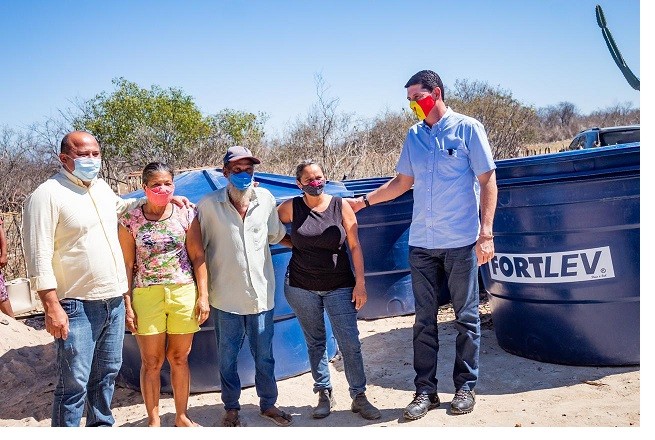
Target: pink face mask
{"x": 160, "y": 195}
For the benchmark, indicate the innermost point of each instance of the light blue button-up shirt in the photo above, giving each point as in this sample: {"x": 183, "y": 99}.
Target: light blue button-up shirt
{"x": 444, "y": 161}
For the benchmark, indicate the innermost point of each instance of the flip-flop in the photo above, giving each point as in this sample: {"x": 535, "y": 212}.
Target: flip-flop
{"x": 194, "y": 425}
{"x": 280, "y": 418}
{"x": 231, "y": 421}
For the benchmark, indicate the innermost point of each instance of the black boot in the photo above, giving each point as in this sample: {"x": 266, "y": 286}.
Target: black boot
{"x": 325, "y": 404}
{"x": 420, "y": 405}
{"x": 463, "y": 402}
{"x": 362, "y": 406}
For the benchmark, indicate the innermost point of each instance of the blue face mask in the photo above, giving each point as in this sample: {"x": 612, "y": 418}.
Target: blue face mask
{"x": 241, "y": 181}
{"x": 86, "y": 168}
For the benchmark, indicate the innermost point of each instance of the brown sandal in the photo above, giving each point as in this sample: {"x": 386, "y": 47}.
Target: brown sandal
{"x": 193, "y": 425}
{"x": 231, "y": 418}
{"x": 277, "y": 416}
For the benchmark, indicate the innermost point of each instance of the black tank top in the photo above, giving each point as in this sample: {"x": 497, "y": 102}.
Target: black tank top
{"x": 319, "y": 260}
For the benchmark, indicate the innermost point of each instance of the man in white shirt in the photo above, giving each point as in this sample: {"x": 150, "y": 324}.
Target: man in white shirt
{"x": 238, "y": 223}
{"x": 75, "y": 263}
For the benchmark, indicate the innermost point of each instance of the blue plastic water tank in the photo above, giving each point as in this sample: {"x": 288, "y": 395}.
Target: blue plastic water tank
{"x": 564, "y": 283}
{"x": 383, "y": 231}
{"x": 384, "y": 236}
{"x": 289, "y": 346}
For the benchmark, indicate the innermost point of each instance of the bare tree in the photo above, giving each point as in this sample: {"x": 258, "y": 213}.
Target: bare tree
{"x": 619, "y": 114}
{"x": 25, "y": 163}
{"x": 324, "y": 130}
{"x": 508, "y": 123}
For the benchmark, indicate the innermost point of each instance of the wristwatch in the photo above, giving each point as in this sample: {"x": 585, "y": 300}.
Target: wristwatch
{"x": 366, "y": 202}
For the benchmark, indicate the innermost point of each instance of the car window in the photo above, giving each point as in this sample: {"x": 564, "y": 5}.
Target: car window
{"x": 619, "y": 137}
{"x": 592, "y": 139}
{"x": 577, "y": 143}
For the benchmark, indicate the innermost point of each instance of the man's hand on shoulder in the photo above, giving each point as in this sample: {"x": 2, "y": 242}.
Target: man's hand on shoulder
{"x": 356, "y": 203}
{"x": 182, "y": 202}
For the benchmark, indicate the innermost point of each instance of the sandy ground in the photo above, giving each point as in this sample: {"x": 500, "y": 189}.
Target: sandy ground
{"x": 512, "y": 391}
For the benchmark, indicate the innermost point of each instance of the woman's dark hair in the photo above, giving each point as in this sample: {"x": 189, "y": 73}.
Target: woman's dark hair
{"x": 304, "y": 164}
{"x": 155, "y": 167}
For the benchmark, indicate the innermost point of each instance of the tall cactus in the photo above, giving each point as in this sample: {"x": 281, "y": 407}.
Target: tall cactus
{"x": 614, "y": 50}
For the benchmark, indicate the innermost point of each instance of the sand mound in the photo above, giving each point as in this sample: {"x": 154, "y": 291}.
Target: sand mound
{"x": 513, "y": 391}
{"x": 27, "y": 358}
{"x": 16, "y": 334}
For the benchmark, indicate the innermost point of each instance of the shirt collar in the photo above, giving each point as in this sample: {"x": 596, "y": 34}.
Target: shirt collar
{"x": 441, "y": 122}
{"x": 446, "y": 116}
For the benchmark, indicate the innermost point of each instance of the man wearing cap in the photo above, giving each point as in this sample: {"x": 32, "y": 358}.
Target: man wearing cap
{"x": 238, "y": 223}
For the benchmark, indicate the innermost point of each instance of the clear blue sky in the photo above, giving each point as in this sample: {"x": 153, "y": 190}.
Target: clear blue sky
{"x": 263, "y": 55}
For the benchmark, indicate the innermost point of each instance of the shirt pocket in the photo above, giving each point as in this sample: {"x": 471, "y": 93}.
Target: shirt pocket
{"x": 452, "y": 162}
{"x": 259, "y": 237}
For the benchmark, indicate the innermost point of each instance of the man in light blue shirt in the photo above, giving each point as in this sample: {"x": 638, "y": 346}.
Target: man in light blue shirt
{"x": 448, "y": 160}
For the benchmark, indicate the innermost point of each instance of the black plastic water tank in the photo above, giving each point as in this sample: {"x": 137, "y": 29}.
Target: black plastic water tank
{"x": 564, "y": 283}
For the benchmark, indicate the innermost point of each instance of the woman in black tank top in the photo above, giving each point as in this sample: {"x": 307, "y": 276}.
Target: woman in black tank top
{"x": 320, "y": 279}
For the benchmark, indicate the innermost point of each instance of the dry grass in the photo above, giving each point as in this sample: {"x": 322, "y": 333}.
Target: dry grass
{"x": 545, "y": 147}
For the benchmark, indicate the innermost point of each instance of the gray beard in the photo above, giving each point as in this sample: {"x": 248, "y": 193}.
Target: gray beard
{"x": 238, "y": 197}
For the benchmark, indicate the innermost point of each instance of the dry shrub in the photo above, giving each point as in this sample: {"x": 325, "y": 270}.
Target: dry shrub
{"x": 15, "y": 267}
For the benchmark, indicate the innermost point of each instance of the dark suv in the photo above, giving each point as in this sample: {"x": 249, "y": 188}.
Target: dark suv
{"x": 603, "y": 137}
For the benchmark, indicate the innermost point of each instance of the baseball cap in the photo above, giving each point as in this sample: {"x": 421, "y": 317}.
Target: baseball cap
{"x": 238, "y": 152}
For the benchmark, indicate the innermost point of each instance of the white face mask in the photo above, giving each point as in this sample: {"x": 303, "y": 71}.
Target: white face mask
{"x": 86, "y": 168}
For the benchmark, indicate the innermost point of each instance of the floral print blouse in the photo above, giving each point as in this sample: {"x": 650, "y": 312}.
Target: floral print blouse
{"x": 161, "y": 256}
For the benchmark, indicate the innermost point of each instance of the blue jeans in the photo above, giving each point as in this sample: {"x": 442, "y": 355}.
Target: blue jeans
{"x": 309, "y": 307}
{"x": 231, "y": 329}
{"x": 88, "y": 361}
{"x": 456, "y": 270}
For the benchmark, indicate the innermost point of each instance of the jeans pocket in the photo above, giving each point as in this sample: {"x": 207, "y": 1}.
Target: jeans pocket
{"x": 71, "y": 306}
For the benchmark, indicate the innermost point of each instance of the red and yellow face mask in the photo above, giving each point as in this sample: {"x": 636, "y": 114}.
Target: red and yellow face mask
{"x": 422, "y": 107}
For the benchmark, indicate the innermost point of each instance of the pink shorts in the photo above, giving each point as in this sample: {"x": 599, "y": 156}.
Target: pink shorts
{"x": 3, "y": 289}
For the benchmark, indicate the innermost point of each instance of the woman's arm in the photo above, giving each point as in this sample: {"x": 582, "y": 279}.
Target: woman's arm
{"x": 349, "y": 221}
{"x": 128, "y": 246}
{"x": 197, "y": 256}
{"x": 285, "y": 212}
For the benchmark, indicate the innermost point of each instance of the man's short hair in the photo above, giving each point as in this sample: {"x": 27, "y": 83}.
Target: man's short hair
{"x": 428, "y": 80}
{"x": 66, "y": 143}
